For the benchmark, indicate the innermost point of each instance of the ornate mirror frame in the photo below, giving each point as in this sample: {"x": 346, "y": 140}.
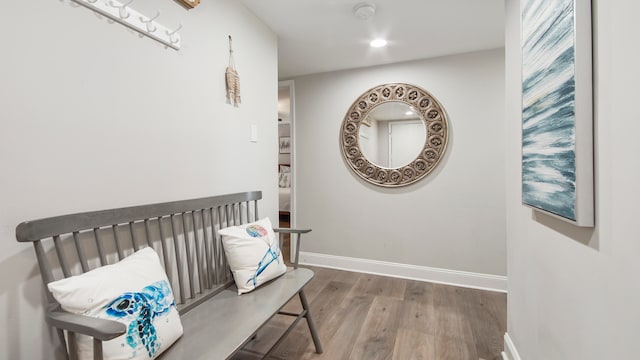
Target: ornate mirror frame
{"x": 436, "y": 124}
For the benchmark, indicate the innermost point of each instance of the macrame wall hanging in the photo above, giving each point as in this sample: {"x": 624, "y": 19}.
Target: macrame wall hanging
{"x": 233, "y": 80}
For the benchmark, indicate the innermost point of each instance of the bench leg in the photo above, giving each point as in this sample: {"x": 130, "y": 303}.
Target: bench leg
{"x": 63, "y": 343}
{"x": 312, "y": 326}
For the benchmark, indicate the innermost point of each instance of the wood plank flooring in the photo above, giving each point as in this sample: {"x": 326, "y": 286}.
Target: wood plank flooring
{"x": 362, "y": 316}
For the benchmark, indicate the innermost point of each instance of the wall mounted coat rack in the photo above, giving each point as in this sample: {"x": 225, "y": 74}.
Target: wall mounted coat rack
{"x": 122, "y": 13}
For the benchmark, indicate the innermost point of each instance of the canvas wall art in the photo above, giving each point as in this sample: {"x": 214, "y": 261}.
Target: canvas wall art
{"x": 557, "y": 115}
{"x": 285, "y": 144}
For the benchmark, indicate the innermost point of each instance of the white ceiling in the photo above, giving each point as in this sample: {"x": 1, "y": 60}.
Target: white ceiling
{"x": 324, "y": 35}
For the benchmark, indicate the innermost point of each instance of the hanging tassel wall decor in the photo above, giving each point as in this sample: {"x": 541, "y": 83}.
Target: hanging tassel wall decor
{"x": 190, "y": 3}
{"x": 232, "y": 79}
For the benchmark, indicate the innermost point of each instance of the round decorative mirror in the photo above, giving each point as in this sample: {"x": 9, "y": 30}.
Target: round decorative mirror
{"x": 394, "y": 134}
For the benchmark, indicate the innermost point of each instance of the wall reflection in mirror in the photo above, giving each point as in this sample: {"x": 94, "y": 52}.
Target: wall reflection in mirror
{"x": 392, "y": 135}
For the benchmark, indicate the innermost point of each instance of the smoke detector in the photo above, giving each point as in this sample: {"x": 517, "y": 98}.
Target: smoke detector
{"x": 364, "y": 10}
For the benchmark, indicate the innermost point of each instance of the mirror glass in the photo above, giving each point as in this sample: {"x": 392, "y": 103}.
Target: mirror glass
{"x": 392, "y": 135}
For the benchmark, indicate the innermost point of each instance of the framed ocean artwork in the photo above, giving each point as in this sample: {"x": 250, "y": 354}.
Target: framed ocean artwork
{"x": 557, "y": 111}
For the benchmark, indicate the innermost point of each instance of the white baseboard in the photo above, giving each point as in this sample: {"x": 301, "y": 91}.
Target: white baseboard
{"x": 405, "y": 271}
{"x": 510, "y": 352}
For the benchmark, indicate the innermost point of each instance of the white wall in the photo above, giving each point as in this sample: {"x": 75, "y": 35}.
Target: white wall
{"x": 573, "y": 293}
{"x": 454, "y": 218}
{"x": 94, "y": 116}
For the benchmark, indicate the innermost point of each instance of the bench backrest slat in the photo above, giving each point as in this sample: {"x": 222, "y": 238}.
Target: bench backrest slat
{"x": 183, "y": 233}
{"x": 61, "y": 257}
{"x": 216, "y": 250}
{"x": 100, "y": 247}
{"x": 81, "y": 253}
{"x": 207, "y": 249}
{"x": 177, "y": 259}
{"x": 133, "y": 236}
{"x": 116, "y": 238}
{"x": 188, "y": 253}
{"x": 202, "y": 276}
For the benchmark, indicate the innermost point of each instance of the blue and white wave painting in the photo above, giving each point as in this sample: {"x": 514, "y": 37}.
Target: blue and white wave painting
{"x": 548, "y": 106}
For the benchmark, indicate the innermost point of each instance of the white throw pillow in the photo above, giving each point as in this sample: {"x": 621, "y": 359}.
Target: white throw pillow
{"x": 135, "y": 292}
{"x": 253, "y": 254}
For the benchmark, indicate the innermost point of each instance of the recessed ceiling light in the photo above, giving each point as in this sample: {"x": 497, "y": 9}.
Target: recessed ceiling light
{"x": 378, "y": 43}
{"x": 409, "y": 113}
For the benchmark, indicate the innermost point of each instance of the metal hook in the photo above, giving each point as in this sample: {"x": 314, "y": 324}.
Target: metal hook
{"x": 91, "y": 2}
{"x": 171, "y": 33}
{"x": 122, "y": 5}
{"x": 149, "y": 22}
{"x": 122, "y": 9}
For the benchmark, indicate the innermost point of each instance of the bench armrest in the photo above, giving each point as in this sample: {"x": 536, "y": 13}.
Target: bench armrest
{"x": 291, "y": 231}
{"x": 101, "y": 329}
{"x": 298, "y": 233}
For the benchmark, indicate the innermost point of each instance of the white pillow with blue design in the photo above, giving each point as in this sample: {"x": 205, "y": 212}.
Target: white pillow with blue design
{"x": 253, "y": 254}
{"x": 135, "y": 292}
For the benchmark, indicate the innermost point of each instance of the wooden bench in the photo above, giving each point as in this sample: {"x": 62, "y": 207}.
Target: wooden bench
{"x": 217, "y": 322}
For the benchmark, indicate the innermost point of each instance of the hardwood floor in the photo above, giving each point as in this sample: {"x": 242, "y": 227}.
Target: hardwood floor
{"x": 362, "y": 316}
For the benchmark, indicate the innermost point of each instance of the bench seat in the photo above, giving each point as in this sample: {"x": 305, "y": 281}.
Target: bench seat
{"x": 223, "y": 324}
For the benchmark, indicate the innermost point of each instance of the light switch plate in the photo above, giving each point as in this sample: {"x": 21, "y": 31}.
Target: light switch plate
{"x": 254, "y": 133}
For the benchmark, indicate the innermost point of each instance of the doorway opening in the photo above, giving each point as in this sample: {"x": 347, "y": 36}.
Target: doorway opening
{"x": 286, "y": 163}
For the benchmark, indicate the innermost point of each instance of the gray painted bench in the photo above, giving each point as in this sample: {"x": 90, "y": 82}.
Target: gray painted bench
{"x": 184, "y": 234}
